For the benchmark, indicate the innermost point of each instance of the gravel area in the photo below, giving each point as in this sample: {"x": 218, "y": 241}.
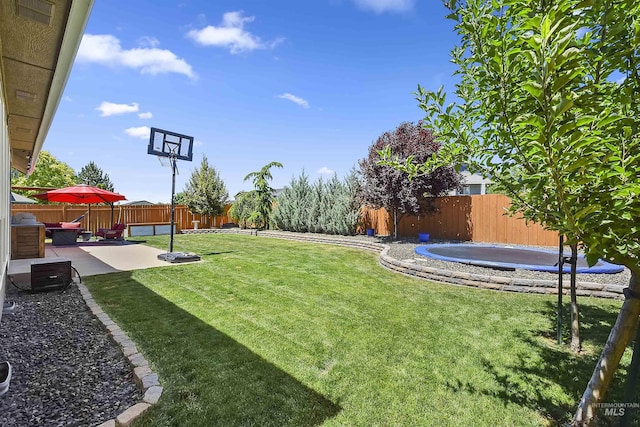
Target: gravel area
{"x": 66, "y": 369}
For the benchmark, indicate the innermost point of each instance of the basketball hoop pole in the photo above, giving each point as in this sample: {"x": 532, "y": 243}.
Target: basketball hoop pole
{"x": 173, "y": 160}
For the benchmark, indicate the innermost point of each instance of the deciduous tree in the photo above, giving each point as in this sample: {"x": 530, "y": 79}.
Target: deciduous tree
{"x": 550, "y": 108}
{"x": 49, "y": 172}
{"x": 244, "y": 208}
{"x": 386, "y": 187}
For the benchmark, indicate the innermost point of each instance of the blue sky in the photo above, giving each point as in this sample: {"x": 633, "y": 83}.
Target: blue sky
{"x": 310, "y": 84}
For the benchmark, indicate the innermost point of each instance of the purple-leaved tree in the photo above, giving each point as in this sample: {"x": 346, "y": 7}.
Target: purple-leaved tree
{"x": 389, "y": 188}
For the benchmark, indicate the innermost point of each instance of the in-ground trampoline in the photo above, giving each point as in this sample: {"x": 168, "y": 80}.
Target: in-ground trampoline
{"x": 510, "y": 258}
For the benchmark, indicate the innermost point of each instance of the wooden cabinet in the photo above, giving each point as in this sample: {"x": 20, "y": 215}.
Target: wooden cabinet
{"x": 27, "y": 241}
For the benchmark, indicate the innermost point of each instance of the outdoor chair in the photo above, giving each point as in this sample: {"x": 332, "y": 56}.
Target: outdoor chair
{"x": 77, "y": 219}
{"x": 114, "y": 233}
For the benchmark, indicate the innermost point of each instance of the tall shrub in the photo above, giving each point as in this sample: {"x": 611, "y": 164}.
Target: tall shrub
{"x": 329, "y": 207}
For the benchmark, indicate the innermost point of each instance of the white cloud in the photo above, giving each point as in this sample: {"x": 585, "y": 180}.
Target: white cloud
{"x": 381, "y": 6}
{"x": 147, "y": 41}
{"x": 105, "y": 49}
{"x": 146, "y": 115}
{"x": 232, "y": 35}
{"x": 300, "y": 101}
{"x": 198, "y": 143}
{"x": 325, "y": 171}
{"x": 67, "y": 98}
{"x": 110, "y": 109}
{"x": 139, "y": 132}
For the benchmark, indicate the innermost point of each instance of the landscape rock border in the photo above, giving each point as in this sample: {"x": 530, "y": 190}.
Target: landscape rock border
{"x": 146, "y": 379}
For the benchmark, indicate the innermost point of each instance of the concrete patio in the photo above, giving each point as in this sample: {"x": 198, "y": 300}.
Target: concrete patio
{"x": 92, "y": 258}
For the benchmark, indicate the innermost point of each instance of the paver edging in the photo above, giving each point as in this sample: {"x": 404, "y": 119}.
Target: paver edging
{"x": 146, "y": 380}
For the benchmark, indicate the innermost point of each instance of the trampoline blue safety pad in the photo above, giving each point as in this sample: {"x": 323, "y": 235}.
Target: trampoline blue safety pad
{"x": 511, "y": 257}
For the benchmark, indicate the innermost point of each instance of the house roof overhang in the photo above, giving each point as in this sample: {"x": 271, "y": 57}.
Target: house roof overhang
{"x": 38, "y": 43}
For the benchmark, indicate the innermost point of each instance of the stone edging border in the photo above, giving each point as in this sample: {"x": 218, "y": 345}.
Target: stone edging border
{"x": 146, "y": 379}
{"x": 411, "y": 268}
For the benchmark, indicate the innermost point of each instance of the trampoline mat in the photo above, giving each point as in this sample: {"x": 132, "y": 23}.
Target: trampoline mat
{"x": 504, "y": 257}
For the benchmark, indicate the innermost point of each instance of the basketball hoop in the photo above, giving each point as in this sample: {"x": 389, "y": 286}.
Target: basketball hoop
{"x": 170, "y": 147}
{"x": 170, "y": 144}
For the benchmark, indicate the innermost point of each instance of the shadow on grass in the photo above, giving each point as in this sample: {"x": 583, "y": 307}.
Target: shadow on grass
{"x": 209, "y": 378}
{"x": 595, "y": 322}
{"x": 530, "y": 380}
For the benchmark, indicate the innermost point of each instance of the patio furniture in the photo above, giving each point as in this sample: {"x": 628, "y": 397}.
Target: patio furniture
{"x": 64, "y": 236}
{"x": 27, "y": 241}
{"x": 114, "y": 233}
{"x": 50, "y": 226}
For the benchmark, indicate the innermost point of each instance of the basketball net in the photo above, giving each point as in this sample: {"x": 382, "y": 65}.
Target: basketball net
{"x": 164, "y": 161}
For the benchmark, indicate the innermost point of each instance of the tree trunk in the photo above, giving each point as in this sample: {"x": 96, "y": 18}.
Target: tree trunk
{"x": 395, "y": 223}
{"x": 619, "y": 338}
{"x": 631, "y": 387}
{"x": 560, "y": 274}
{"x": 576, "y": 346}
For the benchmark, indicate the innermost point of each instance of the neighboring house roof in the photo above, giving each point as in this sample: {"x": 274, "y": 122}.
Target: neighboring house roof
{"x": 473, "y": 178}
{"x": 19, "y": 198}
{"x": 39, "y": 44}
{"x": 138, "y": 203}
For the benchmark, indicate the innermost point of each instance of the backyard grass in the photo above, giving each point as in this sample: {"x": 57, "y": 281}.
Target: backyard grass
{"x": 269, "y": 332}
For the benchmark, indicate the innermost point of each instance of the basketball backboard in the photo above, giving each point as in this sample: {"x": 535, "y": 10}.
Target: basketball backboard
{"x": 170, "y": 144}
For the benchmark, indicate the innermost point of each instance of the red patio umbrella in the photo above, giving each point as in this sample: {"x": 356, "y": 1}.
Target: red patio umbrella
{"x": 82, "y": 194}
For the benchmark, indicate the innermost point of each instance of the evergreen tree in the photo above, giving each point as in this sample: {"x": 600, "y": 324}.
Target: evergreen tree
{"x": 288, "y": 212}
{"x": 314, "y": 211}
{"x": 263, "y": 195}
{"x": 205, "y": 193}
{"x": 325, "y": 207}
{"x": 92, "y": 175}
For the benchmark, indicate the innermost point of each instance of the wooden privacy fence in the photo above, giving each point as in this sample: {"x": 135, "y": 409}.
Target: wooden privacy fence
{"x": 100, "y": 216}
{"x": 479, "y": 218}
{"x": 475, "y": 218}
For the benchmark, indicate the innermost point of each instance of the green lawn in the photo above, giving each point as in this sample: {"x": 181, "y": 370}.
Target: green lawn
{"x": 269, "y": 332}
